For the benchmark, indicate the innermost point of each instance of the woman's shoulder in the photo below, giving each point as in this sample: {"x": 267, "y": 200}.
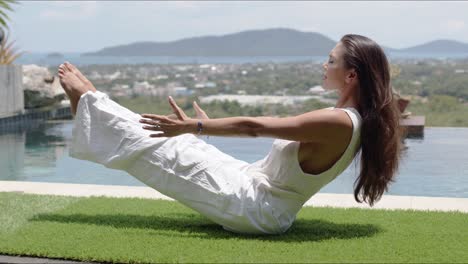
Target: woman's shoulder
{"x": 345, "y": 117}
{"x": 337, "y": 123}
{"x": 350, "y": 119}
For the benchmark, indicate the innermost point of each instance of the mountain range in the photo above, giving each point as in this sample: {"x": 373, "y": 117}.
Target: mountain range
{"x": 266, "y": 42}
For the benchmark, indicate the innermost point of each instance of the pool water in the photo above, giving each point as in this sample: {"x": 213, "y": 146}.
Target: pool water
{"x": 436, "y": 165}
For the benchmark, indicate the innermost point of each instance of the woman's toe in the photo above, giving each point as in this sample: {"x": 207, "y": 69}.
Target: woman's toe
{"x": 67, "y": 66}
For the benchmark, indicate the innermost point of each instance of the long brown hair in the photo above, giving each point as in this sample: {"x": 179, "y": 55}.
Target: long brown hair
{"x": 381, "y": 146}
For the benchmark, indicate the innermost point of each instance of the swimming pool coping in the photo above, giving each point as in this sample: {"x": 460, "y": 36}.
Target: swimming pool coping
{"x": 445, "y": 204}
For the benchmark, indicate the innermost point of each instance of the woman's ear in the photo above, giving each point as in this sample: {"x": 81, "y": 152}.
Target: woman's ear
{"x": 351, "y": 76}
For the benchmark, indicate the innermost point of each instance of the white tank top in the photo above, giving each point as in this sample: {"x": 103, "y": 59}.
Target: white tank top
{"x": 287, "y": 186}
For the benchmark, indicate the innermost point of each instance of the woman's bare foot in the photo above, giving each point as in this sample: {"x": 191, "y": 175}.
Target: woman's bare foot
{"x": 77, "y": 72}
{"x": 73, "y": 86}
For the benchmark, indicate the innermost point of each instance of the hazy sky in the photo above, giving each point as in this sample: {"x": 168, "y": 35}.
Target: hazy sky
{"x": 68, "y": 26}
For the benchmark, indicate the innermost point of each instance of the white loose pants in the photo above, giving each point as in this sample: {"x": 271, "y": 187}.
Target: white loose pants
{"x": 184, "y": 167}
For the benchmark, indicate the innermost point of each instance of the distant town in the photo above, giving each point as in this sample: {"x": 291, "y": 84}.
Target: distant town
{"x": 245, "y": 83}
{"x": 437, "y": 88}
{"x": 254, "y": 83}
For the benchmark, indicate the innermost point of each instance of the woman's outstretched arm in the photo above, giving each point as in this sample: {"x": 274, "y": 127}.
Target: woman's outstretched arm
{"x": 314, "y": 126}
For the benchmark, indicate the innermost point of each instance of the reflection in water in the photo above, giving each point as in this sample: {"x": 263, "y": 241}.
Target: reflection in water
{"x": 434, "y": 166}
{"x": 40, "y": 153}
{"x": 38, "y": 147}
{"x": 12, "y": 151}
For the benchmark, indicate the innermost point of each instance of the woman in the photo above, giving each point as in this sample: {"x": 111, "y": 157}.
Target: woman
{"x": 310, "y": 149}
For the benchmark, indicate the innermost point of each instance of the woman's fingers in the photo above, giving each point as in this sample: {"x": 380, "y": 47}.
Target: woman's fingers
{"x": 169, "y": 127}
{"x": 200, "y": 113}
{"x": 149, "y": 122}
{"x": 155, "y": 117}
{"x": 153, "y": 128}
{"x": 158, "y": 124}
{"x": 197, "y": 107}
{"x": 177, "y": 110}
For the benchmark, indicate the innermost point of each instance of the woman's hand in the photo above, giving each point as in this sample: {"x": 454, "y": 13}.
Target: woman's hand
{"x": 174, "y": 124}
{"x": 200, "y": 114}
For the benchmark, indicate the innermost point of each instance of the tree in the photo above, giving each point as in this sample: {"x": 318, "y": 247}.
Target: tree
{"x": 8, "y": 52}
{"x": 394, "y": 71}
{"x": 5, "y": 5}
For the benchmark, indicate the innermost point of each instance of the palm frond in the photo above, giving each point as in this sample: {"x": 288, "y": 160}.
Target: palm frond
{"x": 12, "y": 58}
{"x": 3, "y": 14}
{"x": 6, "y": 5}
{"x": 9, "y": 45}
{"x": 3, "y": 21}
{"x": 8, "y": 52}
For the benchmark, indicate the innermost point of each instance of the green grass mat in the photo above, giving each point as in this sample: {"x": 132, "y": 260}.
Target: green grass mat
{"x": 132, "y": 230}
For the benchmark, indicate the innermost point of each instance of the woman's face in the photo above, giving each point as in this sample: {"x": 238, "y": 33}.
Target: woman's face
{"x": 334, "y": 72}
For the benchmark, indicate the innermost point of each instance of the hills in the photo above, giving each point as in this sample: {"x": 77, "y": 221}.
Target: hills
{"x": 270, "y": 42}
{"x": 439, "y": 46}
{"x": 266, "y": 42}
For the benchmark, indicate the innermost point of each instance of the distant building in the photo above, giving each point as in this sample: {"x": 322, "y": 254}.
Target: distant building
{"x": 263, "y": 99}
{"x": 181, "y": 91}
{"x": 120, "y": 90}
{"x": 142, "y": 85}
{"x": 210, "y": 85}
{"x": 113, "y": 76}
{"x": 205, "y": 85}
{"x": 94, "y": 75}
{"x": 280, "y": 92}
{"x": 163, "y": 77}
{"x": 183, "y": 67}
{"x": 317, "y": 90}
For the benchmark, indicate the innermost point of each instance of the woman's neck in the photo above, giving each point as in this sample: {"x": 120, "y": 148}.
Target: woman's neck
{"x": 344, "y": 102}
{"x": 347, "y": 99}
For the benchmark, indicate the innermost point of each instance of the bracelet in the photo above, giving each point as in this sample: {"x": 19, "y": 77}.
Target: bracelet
{"x": 199, "y": 128}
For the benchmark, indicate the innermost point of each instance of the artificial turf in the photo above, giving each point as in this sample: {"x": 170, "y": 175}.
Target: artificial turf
{"x": 133, "y": 230}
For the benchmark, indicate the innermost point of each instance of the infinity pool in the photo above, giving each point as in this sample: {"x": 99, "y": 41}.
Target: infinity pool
{"x": 436, "y": 165}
